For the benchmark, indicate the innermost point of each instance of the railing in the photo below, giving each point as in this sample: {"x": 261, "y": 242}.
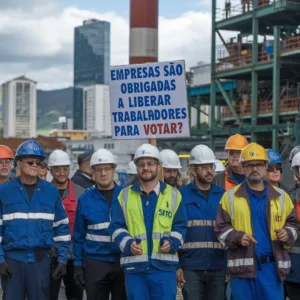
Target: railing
{"x": 234, "y": 62}
{"x": 238, "y": 8}
{"x": 290, "y": 44}
{"x": 263, "y": 107}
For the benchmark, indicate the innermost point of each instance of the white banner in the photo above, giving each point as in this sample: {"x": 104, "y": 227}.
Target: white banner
{"x": 149, "y": 101}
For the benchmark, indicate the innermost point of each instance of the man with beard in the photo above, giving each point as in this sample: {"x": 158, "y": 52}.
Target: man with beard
{"x": 202, "y": 257}
{"x": 234, "y": 174}
{"x": 6, "y": 157}
{"x": 149, "y": 224}
{"x": 96, "y": 257}
{"x": 258, "y": 224}
{"x": 171, "y": 166}
{"x": 59, "y": 165}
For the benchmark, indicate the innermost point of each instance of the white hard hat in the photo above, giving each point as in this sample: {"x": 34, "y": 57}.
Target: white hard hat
{"x": 131, "y": 168}
{"x": 147, "y": 150}
{"x": 59, "y": 158}
{"x": 201, "y": 154}
{"x": 296, "y": 160}
{"x": 219, "y": 166}
{"x": 101, "y": 157}
{"x": 170, "y": 159}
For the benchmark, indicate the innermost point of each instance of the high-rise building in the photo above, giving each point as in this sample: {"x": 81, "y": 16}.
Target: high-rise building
{"x": 91, "y": 60}
{"x": 91, "y": 53}
{"x": 96, "y": 109}
{"x": 19, "y": 108}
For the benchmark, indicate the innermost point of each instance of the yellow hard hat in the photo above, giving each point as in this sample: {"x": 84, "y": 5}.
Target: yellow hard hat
{"x": 236, "y": 142}
{"x": 253, "y": 151}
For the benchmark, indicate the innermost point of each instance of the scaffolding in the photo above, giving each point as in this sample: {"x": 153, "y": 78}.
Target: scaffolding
{"x": 264, "y": 60}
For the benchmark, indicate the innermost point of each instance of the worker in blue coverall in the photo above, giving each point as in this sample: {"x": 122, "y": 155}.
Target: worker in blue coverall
{"x": 32, "y": 217}
{"x": 96, "y": 257}
{"x": 258, "y": 224}
{"x": 149, "y": 225}
{"x": 202, "y": 257}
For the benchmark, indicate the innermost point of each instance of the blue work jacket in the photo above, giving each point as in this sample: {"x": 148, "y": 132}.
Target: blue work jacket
{"x": 91, "y": 237}
{"x": 201, "y": 250}
{"x": 29, "y": 226}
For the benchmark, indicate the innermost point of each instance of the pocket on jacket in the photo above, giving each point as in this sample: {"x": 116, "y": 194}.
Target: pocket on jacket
{"x": 11, "y": 206}
{"x": 46, "y": 206}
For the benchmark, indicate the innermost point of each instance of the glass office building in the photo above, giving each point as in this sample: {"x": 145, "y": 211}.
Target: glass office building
{"x": 91, "y": 60}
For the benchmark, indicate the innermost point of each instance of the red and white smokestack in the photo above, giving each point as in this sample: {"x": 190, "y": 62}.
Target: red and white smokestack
{"x": 143, "y": 31}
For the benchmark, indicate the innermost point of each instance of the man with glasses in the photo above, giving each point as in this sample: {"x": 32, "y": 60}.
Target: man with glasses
{"x": 6, "y": 157}
{"x": 148, "y": 225}
{"x": 32, "y": 217}
{"x": 258, "y": 224}
{"x": 96, "y": 257}
{"x": 234, "y": 174}
{"x": 274, "y": 169}
{"x": 59, "y": 165}
{"x": 202, "y": 257}
{"x": 171, "y": 166}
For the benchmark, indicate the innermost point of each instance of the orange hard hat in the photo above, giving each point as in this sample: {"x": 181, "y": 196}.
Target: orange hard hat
{"x": 6, "y": 152}
{"x": 236, "y": 142}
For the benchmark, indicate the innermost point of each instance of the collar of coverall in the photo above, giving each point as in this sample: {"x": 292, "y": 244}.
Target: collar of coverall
{"x": 160, "y": 187}
{"x": 271, "y": 191}
{"x": 214, "y": 188}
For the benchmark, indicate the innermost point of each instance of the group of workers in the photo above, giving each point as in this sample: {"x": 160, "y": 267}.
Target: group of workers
{"x": 234, "y": 226}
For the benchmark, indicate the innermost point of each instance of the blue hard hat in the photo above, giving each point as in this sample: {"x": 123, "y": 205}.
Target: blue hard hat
{"x": 274, "y": 157}
{"x": 30, "y": 148}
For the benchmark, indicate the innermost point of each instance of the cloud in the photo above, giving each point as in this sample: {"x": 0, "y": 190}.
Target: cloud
{"x": 40, "y": 45}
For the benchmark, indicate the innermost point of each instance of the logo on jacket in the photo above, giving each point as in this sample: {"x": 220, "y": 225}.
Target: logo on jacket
{"x": 165, "y": 213}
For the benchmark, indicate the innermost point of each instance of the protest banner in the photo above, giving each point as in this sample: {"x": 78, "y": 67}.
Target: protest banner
{"x": 149, "y": 101}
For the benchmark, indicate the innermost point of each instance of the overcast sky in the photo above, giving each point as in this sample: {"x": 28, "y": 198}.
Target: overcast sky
{"x": 36, "y": 37}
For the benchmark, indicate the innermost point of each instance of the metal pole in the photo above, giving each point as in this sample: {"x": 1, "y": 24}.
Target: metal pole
{"x": 276, "y": 87}
{"x": 213, "y": 71}
{"x": 254, "y": 77}
{"x": 198, "y": 111}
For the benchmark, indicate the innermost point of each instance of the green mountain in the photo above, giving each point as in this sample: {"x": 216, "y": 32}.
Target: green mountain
{"x": 53, "y": 104}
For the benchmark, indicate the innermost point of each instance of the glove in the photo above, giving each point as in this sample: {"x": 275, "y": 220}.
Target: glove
{"x": 79, "y": 276}
{"x": 5, "y": 270}
{"x": 59, "y": 271}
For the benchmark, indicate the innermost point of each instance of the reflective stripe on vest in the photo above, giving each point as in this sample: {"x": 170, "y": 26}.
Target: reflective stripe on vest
{"x": 284, "y": 264}
{"x": 202, "y": 245}
{"x": 193, "y": 223}
{"x": 165, "y": 257}
{"x": 124, "y": 201}
{"x": 133, "y": 259}
{"x": 295, "y": 250}
{"x": 240, "y": 262}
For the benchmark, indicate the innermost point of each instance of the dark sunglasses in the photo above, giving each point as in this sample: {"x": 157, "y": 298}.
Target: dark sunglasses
{"x": 38, "y": 163}
{"x": 274, "y": 169}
